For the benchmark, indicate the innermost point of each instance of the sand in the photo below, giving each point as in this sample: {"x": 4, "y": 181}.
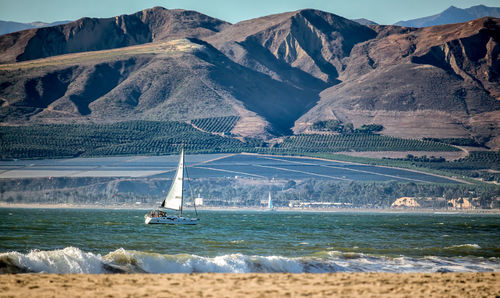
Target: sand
{"x": 252, "y": 285}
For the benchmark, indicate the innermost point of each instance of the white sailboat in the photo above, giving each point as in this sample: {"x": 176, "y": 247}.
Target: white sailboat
{"x": 174, "y": 201}
{"x": 270, "y": 203}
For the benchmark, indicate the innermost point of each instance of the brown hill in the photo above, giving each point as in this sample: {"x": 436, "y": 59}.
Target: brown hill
{"x": 440, "y": 81}
{"x": 92, "y": 34}
{"x": 292, "y": 44}
{"x": 277, "y": 72}
{"x": 175, "y": 80}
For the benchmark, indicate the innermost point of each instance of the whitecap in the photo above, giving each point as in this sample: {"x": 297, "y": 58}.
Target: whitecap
{"x": 67, "y": 260}
{"x": 74, "y": 260}
{"x": 467, "y": 245}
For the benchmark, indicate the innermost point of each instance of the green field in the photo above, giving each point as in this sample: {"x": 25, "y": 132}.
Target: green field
{"x": 125, "y": 138}
{"x": 159, "y": 138}
{"x": 358, "y": 142}
{"x": 216, "y": 124}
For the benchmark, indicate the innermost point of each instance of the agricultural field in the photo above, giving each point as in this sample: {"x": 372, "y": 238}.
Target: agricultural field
{"x": 357, "y": 142}
{"x": 124, "y": 138}
{"x": 216, "y": 124}
{"x": 161, "y": 138}
{"x": 484, "y": 165}
{"x": 248, "y": 166}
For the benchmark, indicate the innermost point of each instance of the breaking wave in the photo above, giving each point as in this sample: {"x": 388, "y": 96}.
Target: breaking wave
{"x": 74, "y": 260}
{"x": 466, "y": 246}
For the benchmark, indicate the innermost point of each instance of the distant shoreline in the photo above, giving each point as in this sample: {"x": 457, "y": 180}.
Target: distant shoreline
{"x": 236, "y": 209}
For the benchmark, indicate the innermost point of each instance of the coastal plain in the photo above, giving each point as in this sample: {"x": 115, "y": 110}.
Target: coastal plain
{"x": 252, "y": 285}
{"x": 255, "y": 166}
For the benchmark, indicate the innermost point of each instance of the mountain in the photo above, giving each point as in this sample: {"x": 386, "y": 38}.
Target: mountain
{"x": 441, "y": 80}
{"x": 295, "y": 44}
{"x": 453, "y": 15}
{"x": 365, "y": 22}
{"x": 9, "y": 27}
{"x": 92, "y": 34}
{"x": 205, "y": 80}
{"x": 279, "y": 74}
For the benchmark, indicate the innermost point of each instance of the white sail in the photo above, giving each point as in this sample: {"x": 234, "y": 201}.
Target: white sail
{"x": 174, "y": 197}
{"x": 270, "y": 202}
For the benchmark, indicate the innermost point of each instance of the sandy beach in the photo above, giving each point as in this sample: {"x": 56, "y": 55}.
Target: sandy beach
{"x": 252, "y": 285}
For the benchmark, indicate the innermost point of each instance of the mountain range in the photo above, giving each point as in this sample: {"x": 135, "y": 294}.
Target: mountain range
{"x": 278, "y": 73}
{"x": 453, "y": 15}
{"x": 9, "y": 27}
{"x": 449, "y": 16}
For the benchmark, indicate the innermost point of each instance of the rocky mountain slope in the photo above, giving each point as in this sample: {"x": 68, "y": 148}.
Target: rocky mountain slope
{"x": 277, "y": 73}
{"x": 441, "y": 80}
{"x": 453, "y": 15}
{"x": 92, "y": 34}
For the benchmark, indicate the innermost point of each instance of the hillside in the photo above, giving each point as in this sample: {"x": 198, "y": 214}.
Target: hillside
{"x": 293, "y": 45}
{"x": 441, "y": 80}
{"x": 273, "y": 75}
{"x": 453, "y": 15}
{"x": 93, "y": 34}
{"x": 175, "y": 80}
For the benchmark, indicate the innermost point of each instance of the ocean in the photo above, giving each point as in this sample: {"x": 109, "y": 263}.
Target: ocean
{"x": 118, "y": 241}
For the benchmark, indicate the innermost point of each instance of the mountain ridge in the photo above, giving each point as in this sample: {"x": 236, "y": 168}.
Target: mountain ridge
{"x": 277, "y": 74}
{"x": 453, "y": 15}
{"x": 10, "y": 26}
{"x": 93, "y": 34}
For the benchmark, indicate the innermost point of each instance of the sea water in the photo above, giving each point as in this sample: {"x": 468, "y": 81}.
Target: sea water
{"x": 118, "y": 241}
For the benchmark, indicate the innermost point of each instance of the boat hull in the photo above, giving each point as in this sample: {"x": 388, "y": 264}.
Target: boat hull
{"x": 170, "y": 220}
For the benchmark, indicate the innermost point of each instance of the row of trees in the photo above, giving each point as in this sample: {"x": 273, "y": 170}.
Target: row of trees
{"x": 348, "y": 128}
{"x": 135, "y": 137}
{"x": 245, "y": 193}
{"x": 217, "y": 124}
{"x": 459, "y": 141}
{"x": 150, "y": 137}
{"x": 363, "y": 142}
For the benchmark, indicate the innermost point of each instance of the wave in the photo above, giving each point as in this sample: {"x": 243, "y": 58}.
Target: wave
{"x": 74, "y": 260}
{"x": 465, "y": 246}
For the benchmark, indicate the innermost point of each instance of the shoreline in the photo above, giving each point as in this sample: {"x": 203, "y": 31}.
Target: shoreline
{"x": 252, "y": 285}
{"x": 256, "y": 209}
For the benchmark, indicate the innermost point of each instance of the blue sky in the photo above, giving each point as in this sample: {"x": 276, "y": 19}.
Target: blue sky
{"x": 380, "y": 11}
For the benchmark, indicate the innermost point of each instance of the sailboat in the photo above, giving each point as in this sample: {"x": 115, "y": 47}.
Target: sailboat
{"x": 270, "y": 203}
{"x": 174, "y": 201}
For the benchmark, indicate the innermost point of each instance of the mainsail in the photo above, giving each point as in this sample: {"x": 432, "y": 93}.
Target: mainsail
{"x": 174, "y": 197}
{"x": 270, "y": 202}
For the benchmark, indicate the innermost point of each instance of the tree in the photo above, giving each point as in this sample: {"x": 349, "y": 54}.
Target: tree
{"x": 289, "y": 184}
{"x": 349, "y": 128}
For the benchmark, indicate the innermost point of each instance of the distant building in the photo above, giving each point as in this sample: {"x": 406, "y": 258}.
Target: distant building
{"x": 198, "y": 201}
{"x": 405, "y": 202}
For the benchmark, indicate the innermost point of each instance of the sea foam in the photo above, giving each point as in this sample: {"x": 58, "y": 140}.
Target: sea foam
{"x": 74, "y": 260}
{"x": 67, "y": 260}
